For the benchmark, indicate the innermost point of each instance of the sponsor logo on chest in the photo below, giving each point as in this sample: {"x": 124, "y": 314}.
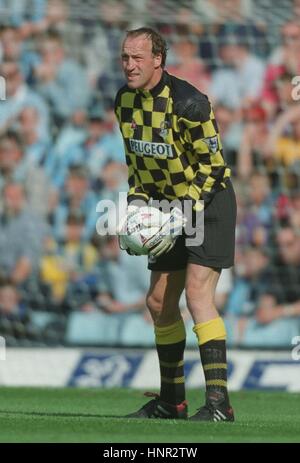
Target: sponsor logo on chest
{"x": 146, "y": 148}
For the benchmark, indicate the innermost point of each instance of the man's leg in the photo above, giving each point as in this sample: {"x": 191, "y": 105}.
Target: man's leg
{"x": 209, "y": 327}
{"x": 162, "y": 301}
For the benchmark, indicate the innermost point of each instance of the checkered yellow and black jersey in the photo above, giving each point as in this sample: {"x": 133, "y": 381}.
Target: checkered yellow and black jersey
{"x": 172, "y": 143}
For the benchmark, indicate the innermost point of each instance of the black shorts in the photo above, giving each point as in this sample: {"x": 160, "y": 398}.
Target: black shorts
{"x": 217, "y": 248}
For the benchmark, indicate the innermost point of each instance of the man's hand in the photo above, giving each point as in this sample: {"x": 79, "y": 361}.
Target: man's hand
{"x": 121, "y": 229}
{"x": 164, "y": 240}
{"x": 115, "y": 307}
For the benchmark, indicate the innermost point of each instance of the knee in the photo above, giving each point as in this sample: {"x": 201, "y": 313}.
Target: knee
{"x": 195, "y": 289}
{"x": 198, "y": 294}
{"x": 162, "y": 312}
{"x": 154, "y": 304}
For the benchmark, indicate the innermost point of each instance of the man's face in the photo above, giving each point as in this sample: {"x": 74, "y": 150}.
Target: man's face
{"x": 289, "y": 246}
{"x": 28, "y": 120}
{"x": 140, "y": 66}
{"x": 96, "y": 129}
{"x": 76, "y": 186}
{"x": 13, "y": 78}
{"x": 74, "y": 231}
{"x": 10, "y": 155}
{"x": 13, "y": 198}
{"x": 11, "y": 44}
{"x": 52, "y": 52}
{"x": 291, "y": 35}
{"x": 8, "y": 299}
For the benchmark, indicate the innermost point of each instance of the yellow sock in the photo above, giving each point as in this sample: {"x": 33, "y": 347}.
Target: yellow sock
{"x": 212, "y": 345}
{"x": 171, "y": 333}
{"x": 170, "y": 344}
{"x": 212, "y": 330}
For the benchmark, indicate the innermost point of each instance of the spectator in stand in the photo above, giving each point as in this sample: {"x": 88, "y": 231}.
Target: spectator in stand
{"x": 27, "y": 15}
{"x": 101, "y": 144}
{"x": 241, "y": 237}
{"x": 73, "y": 132}
{"x": 36, "y": 149}
{"x": 252, "y": 153}
{"x": 223, "y": 18}
{"x": 14, "y": 315}
{"x": 238, "y": 82}
{"x": 277, "y": 317}
{"x": 296, "y": 9}
{"x": 18, "y": 96}
{"x": 285, "y": 270}
{"x": 15, "y": 49}
{"x": 16, "y": 320}
{"x": 258, "y": 213}
{"x": 52, "y": 273}
{"x": 284, "y": 138}
{"x": 115, "y": 18}
{"x": 60, "y": 78}
{"x": 111, "y": 185}
{"x": 14, "y": 166}
{"x": 188, "y": 65}
{"x": 70, "y": 266}
{"x": 230, "y": 131}
{"x": 76, "y": 198}
{"x": 252, "y": 279}
{"x": 21, "y": 234}
{"x": 287, "y": 207}
{"x": 11, "y": 306}
{"x": 294, "y": 209}
{"x": 123, "y": 282}
{"x": 58, "y": 19}
{"x": 288, "y": 54}
{"x": 79, "y": 256}
{"x": 284, "y": 63}
{"x": 230, "y": 11}
{"x": 252, "y": 32}
{"x": 111, "y": 181}
{"x": 284, "y": 88}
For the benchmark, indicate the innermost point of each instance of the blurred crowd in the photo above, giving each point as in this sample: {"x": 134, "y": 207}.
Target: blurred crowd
{"x": 61, "y": 153}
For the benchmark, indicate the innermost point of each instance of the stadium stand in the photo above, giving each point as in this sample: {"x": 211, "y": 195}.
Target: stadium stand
{"x": 60, "y": 153}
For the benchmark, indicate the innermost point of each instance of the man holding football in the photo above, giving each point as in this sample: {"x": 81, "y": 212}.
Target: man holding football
{"x": 174, "y": 152}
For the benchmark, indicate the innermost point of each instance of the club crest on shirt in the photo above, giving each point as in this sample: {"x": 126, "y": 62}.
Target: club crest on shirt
{"x": 164, "y": 127}
{"x": 212, "y": 143}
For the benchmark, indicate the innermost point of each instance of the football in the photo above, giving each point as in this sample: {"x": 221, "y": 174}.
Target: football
{"x": 141, "y": 226}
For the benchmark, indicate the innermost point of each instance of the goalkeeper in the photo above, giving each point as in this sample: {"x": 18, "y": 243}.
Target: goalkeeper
{"x": 173, "y": 151}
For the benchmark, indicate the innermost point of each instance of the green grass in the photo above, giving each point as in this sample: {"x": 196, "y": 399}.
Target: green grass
{"x": 92, "y": 415}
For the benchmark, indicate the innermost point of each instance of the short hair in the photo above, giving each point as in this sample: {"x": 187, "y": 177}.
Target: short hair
{"x": 76, "y": 218}
{"x": 13, "y": 136}
{"x": 159, "y": 45}
{"x": 78, "y": 170}
{"x": 51, "y": 36}
{"x": 6, "y": 281}
{"x": 54, "y": 36}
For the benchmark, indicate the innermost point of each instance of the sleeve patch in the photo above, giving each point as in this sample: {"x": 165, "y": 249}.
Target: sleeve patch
{"x": 212, "y": 143}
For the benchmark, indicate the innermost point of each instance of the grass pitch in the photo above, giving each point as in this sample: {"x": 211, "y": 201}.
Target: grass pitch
{"x": 94, "y": 415}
